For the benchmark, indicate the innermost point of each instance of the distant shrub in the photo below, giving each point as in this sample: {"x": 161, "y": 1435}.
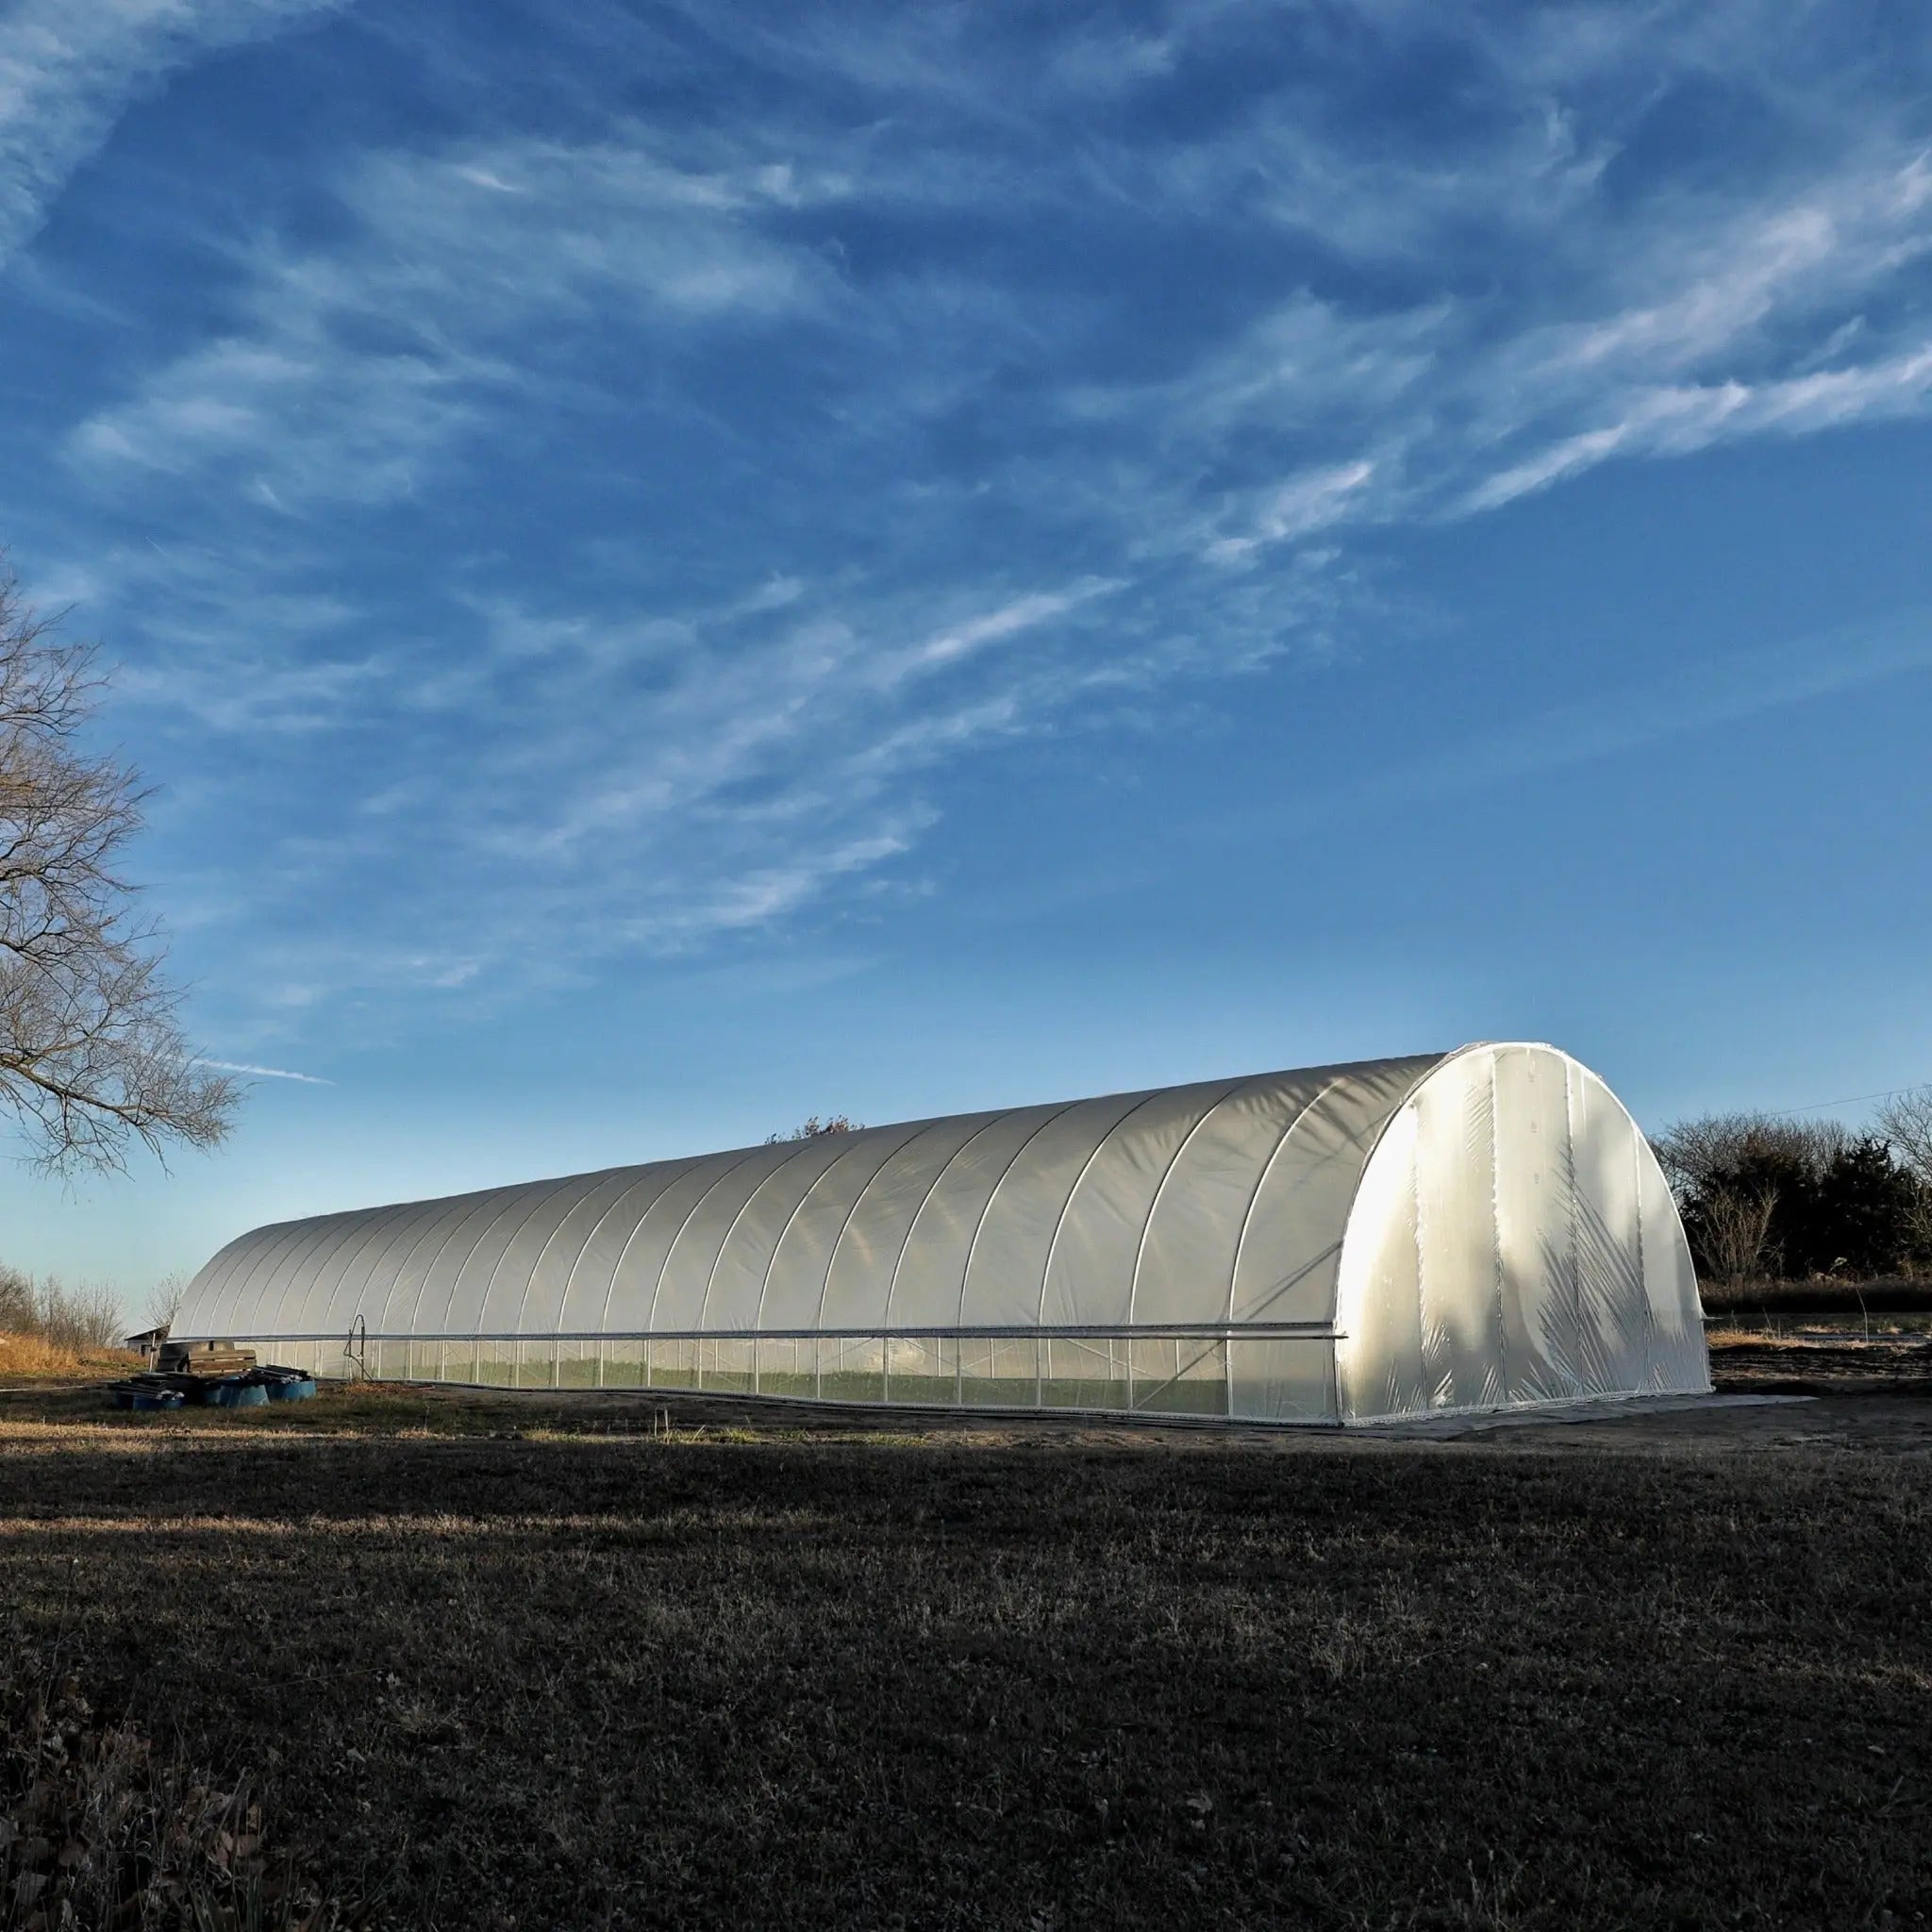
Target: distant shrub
{"x": 1764, "y": 1197}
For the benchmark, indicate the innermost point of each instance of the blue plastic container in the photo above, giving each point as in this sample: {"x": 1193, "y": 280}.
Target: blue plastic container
{"x": 290, "y": 1388}
{"x": 151, "y": 1398}
{"x": 237, "y": 1394}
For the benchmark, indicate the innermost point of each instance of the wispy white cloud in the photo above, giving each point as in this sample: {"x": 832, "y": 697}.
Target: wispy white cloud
{"x": 616, "y": 530}
{"x": 263, "y": 1073}
{"x": 67, "y": 72}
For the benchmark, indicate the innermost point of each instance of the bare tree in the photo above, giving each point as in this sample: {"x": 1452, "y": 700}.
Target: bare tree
{"x": 91, "y": 1058}
{"x": 811, "y": 1127}
{"x": 1906, "y": 1120}
{"x": 1735, "y": 1224}
{"x": 164, "y": 1301}
{"x": 1697, "y": 1153}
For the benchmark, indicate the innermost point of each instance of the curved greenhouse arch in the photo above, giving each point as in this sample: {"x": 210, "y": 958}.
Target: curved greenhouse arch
{"x": 1478, "y": 1229}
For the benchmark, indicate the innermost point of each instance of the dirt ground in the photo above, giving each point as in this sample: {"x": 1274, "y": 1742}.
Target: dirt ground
{"x": 522, "y": 1660}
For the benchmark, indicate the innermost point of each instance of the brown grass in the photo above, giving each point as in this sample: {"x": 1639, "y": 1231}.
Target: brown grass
{"x": 99, "y": 1829}
{"x": 33, "y": 1357}
{"x": 534, "y": 1662}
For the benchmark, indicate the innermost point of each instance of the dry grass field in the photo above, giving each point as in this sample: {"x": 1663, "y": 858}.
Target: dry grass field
{"x": 516, "y": 1660}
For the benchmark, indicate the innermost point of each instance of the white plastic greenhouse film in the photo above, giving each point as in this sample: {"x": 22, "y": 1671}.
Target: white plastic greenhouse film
{"x": 1379, "y": 1307}
{"x": 738, "y": 1277}
{"x": 930, "y": 1289}
{"x": 816, "y": 1237}
{"x": 679, "y": 1302}
{"x": 1462, "y": 1340}
{"x": 1615, "y": 1312}
{"x": 1089, "y": 1277}
{"x": 630, "y": 1251}
{"x": 1533, "y": 1226}
{"x": 1006, "y": 1275}
{"x": 1289, "y": 1243}
{"x": 1187, "y": 1254}
{"x": 1679, "y": 1359}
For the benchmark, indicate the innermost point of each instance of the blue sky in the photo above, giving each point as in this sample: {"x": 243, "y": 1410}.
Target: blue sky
{"x": 677, "y": 567}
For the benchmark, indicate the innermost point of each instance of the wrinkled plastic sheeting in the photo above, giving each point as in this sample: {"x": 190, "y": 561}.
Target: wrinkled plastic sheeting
{"x": 1291, "y": 1240}
{"x": 1379, "y": 1354}
{"x": 1460, "y": 1278}
{"x": 1679, "y": 1359}
{"x": 1613, "y": 1312}
{"x": 1282, "y": 1379}
{"x": 1534, "y": 1243}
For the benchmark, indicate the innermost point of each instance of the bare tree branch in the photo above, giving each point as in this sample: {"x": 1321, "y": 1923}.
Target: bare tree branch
{"x": 92, "y": 1058}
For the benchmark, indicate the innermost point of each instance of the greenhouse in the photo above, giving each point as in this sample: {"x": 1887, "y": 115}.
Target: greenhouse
{"x": 1475, "y": 1230}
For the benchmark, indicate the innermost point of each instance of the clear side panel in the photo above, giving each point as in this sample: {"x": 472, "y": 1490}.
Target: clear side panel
{"x": 387, "y": 1361}
{"x": 1680, "y": 1363}
{"x": 1462, "y": 1340}
{"x": 799, "y": 1281}
{"x": 737, "y": 1276}
{"x": 460, "y": 1360}
{"x": 622, "y": 1363}
{"x": 875, "y": 1236}
{"x": 1180, "y": 1375}
{"x": 1186, "y": 1272}
{"x": 426, "y": 1360}
{"x": 497, "y": 1278}
{"x": 1533, "y": 1226}
{"x": 625, "y": 1256}
{"x": 851, "y": 1368}
{"x": 496, "y": 1363}
{"x": 999, "y": 1371}
{"x": 537, "y": 1363}
{"x": 1379, "y": 1303}
{"x": 673, "y": 1363}
{"x": 1615, "y": 1346}
{"x": 574, "y": 1272}
{"x": 576, "y": 1363}
{"x": 1291, "y": 1241}
{"x": 1090, "y": 1279}
{"x": 932, "y": 1268}
{"x": 924, "y": 1369}
{"x": 1085, "y": 1372}
{"x": 724, "y": 1364}
{"x": 788, "y": 1365}
{"x": 1006, "y": 1273}
{"x": 1282, "y": 1380}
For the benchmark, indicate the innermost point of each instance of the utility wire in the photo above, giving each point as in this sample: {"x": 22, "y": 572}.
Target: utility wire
{"x": 1849, "y": 1100}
